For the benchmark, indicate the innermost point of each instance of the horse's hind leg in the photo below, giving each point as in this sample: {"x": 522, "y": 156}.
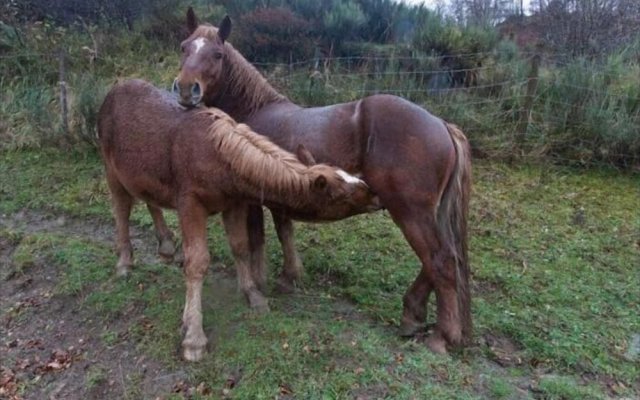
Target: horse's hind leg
{"x": 414, "y": 304}
{"x": 166, "y": 245}
{"x": 438, "y": 273}
{"x": 121, "y": 202}
{"x": 235, "y": 225}
{"x": 291, "y": 275}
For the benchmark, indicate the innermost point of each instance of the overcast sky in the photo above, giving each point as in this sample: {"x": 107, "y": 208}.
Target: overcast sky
{"x": 428, "y": 3}
{"x": 432, "y": 3}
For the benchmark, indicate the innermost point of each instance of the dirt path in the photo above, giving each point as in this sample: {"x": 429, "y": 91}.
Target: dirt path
{"x": 53, "y": 348}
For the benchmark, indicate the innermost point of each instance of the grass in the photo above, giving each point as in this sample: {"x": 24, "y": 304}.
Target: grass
{"x": 555, "y": 257}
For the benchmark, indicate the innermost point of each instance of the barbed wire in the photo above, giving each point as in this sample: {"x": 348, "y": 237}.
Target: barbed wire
{"x": 583, "y": 103}
{"x": 492, "y": 121}
{"x": 519, "y": 56}
{"x": 26, "y": 55}
{"x": 600, "y": 92}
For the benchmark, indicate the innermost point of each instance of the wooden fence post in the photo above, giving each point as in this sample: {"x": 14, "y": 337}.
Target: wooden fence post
{"x": 525, "y": 112}
{"x": 63, "y": 96}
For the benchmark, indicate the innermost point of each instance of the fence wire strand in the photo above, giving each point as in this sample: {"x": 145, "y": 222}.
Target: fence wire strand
{"x": 490, "y": 101}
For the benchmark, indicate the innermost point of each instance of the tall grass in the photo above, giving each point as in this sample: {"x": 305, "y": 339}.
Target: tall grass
{"x": 27, "y": 117}
{"x": 30, "y": 111}
{"x": 584, "y": 111}
{"x": 590, "y": 112}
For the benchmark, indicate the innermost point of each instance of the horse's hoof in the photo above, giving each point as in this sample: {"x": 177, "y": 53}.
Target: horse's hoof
{"x": 285, "y": 286}
{"x": 166, "y": 250}
{"x": 410, "y": 328}
{"x": 257, "y": 302}
{"x": 123, "y": 270}
{"x": 193, "y": 353}
{"x": 436, "y": 344}
{"x": 178, "y": 257}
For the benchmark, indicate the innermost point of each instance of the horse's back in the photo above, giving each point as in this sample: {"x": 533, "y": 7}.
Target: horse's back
{"x": 407, "y": 153}
{"x": 400, "y": 122}
{"x": 133, "y": 111}
{"x": 399, "y": 132}
{"x": 136, "y": 129}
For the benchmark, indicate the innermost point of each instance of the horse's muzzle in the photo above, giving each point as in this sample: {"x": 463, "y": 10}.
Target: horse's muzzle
{"x": 188, "y": 95}
{"x": 375, "y": 204}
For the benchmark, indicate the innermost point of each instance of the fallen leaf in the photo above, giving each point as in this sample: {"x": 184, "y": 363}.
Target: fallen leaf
{"x": 203, "y": 389}
{"x": 33, "y": 343}
{"x": 180, "y": 387}
{"x": 285, "y": 390}
{"x": 54, "y": 365}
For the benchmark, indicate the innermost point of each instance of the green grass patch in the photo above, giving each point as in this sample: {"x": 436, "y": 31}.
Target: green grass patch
{"x": 554, "y": 254}
{"x": 500, "y": 389}
{"x": 45, "y": 180}
{"x": 564, "y": 388}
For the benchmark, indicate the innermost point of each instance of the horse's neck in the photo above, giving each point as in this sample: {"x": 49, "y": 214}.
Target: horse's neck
{"x": 246, "y": 92}
{"x": 235, "y": 106}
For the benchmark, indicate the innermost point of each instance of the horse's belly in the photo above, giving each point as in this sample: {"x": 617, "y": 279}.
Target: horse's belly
{"x": 149, "y": 189}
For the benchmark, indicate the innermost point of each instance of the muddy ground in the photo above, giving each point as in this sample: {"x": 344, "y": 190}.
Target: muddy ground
{"x": 51, "y": 347}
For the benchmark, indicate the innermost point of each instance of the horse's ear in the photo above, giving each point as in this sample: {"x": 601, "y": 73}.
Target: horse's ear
{"x": 192, "y": 20}
{"x": 224, "y": 29}
{"x": 320, "y": 183}
{"x": 305, "y": 156}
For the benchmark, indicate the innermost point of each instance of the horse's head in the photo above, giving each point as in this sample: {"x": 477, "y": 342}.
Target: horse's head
{"x": 339, "y": 193}
{"x": 201, "y": 65}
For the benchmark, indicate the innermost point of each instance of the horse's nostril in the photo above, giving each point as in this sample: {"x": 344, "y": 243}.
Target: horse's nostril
{"x": 174, "y": 87}
{"x": 195, "y": 90}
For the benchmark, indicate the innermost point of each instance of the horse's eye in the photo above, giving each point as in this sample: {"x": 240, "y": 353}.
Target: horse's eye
{"x": 183, "y": 48}
{"x": 217, "y": 55}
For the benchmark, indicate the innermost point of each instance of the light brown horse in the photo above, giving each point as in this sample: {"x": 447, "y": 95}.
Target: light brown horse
{"x": 201, "y": 163}
{"x": 417, "y": 163}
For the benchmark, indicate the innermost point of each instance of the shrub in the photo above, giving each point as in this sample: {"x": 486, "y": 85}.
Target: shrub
{"x": 274, "y": 34}
{"x": 590, "y": 111}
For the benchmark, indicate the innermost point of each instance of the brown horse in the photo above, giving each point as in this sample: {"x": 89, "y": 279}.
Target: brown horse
{"x": 201, "y": 163}
{"x": 418, "y": 164}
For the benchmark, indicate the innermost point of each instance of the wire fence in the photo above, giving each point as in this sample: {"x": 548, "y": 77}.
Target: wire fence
{"x": 506, "y": 107}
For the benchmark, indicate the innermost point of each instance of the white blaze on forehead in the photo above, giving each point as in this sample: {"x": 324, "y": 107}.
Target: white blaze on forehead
{"x": 350, "y": 178}
{"x": 199, "y": 43}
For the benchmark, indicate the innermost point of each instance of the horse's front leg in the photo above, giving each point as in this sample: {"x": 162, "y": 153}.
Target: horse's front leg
{"x": 291, "y": 274}
{"x": 235, "y": 225}
{"x": 255, "y": 226}
{"x": 193, "y": 223}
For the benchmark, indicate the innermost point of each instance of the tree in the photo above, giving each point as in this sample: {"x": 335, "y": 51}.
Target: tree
{"x": 482, "y": 12}
{"x": 342, "y": 21}
{"x": 274, "y": 34}
{"x": 588, "y": 27}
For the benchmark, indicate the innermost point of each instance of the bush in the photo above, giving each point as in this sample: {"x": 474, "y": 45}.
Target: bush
{"x": 590, "y": 111}
{"x": 274, "y": 34}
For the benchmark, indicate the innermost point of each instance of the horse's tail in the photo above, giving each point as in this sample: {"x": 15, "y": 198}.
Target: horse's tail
{"x": 452, "y": 221}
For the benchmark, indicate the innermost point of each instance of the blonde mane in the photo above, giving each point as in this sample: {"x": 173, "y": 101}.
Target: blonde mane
{"x": 263, "y": 168}
{"x": 244, "y": 80}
